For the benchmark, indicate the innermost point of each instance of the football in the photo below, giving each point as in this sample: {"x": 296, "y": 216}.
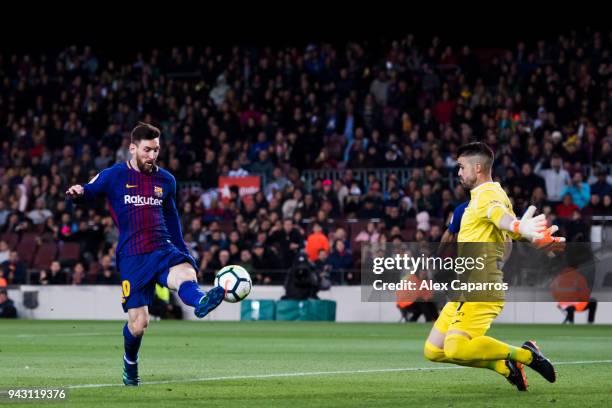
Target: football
{"x": 236, "y": 281}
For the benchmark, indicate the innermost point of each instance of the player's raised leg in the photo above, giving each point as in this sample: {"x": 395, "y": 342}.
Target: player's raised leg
{"x": 138, "y": 320}
{"x": 434, "y": 350}
{"x": 183, "y": 279}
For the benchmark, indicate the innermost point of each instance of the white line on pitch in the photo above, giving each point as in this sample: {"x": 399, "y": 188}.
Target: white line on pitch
{"x": 307, "y": 374}
{"x": 30, "y": 335}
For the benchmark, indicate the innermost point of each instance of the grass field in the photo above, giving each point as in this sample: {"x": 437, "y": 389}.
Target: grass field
{"x": 287, "y": 364}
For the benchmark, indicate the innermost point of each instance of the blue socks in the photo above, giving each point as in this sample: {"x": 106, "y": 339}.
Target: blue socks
{"x": 131, "y": 344}
{"x": 190, "y": 293}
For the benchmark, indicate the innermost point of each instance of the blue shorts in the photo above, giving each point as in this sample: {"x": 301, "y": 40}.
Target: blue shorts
{"x": 140, "y": 273}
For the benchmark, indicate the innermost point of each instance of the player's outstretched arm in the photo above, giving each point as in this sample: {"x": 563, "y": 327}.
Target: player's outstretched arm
{"x": 97, "y": 186}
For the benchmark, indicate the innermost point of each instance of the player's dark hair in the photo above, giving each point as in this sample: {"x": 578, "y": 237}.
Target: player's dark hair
{"x": 477, "y": 149}
{"x": 144, "y": 131}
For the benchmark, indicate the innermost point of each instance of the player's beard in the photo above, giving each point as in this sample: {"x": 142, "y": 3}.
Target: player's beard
{"x": 468, "y": 182}
{"x": 144, "y": 166}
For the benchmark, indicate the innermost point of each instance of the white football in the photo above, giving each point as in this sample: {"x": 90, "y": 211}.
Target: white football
{"x": 236, "y": 281}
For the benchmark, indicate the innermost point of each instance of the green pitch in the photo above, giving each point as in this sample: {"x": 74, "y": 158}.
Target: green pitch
{"x": 288, "y": 364}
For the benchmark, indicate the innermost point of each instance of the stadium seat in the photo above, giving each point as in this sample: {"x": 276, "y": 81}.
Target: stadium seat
{"x": 69, "y": 251}
{"x": 45, "y": 255}
{"x": 26, "y": 249}
{"x": 11, "y": 239}
{"x": 409, "y": 235}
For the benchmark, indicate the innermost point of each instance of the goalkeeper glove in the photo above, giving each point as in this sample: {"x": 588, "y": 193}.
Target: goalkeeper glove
{"x": 549, "y": 242}
{"x": 528, "y": 226}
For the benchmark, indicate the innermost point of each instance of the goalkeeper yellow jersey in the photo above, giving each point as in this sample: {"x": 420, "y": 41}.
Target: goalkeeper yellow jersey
{"x": 480, "y": 235}
{"x": 480, "y": 222}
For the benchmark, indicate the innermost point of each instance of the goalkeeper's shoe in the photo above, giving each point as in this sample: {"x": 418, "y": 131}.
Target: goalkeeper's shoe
{"x": 540, "y": 363}
{"x": 517, "y": 375}
{"x": 130, "y": 374}
{"x": 210, "y": 301}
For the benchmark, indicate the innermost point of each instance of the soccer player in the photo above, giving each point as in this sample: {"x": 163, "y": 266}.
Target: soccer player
{"x": 458, "y": 336}
{"x": 151, "y": 248}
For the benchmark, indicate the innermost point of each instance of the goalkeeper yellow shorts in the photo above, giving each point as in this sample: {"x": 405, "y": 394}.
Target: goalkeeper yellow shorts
{"x": 474, "y": 318}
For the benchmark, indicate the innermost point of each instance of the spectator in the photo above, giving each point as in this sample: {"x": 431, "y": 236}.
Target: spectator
{"x": 288, "y": 239}
{"x": 4, "y": 252}
{"x": 528, "y": 180}
{"x": 39, "y": 214}
{"x": 394, "y": 218}
{"x": 108, "y": 275}
{"x": 555, "y": 178}
{"x": 292, "y": 204}
{"x": 78, "y": 274}
{"x": 246, "y": 260}
{"x": 7, "y": 306}
{"x": 278, "y": 182}
{"x": 601, "y": 187}
{"x": 579, "y": 190}
{"x": 236, "y": 171}
{"x": 321, "y": 264}
{"x": 264, "y": 262}
{"x": 594, "y": 207}
{"x": 316, "y": 242}
{"x": 43, "y": 277}
{"x": 56, "y": 275}
{"x": 607, "y": 205}
{"x": 380, "y": 88}
{"x": 217, "y": 94}
{"x": 369, "y": 235}
{"x": 4, "y": 213}
{"x": 341, "y": 261}
{"x": 435, "y": 233}
{"x": 14, "y": 269}
{"x": 370, "y": 209}
{"x": 263, "y": 166}
{"x": 567, "y": 207}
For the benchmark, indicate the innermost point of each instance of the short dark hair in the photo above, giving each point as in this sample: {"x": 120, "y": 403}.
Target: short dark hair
{"x": 144, "y": 131}
{"x": 477, "y": 149}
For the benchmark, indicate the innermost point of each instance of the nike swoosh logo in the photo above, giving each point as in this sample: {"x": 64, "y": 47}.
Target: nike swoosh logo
{"x": 131, "y": 186}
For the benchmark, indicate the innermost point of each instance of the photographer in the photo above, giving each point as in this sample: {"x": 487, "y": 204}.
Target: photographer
{"x": 302, "y": 281}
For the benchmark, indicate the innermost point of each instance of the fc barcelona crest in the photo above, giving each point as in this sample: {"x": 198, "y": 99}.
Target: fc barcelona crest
{"x": 158, "y": 191}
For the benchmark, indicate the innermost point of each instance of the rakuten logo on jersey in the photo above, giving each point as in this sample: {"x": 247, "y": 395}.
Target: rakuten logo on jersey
{"x": 141, "y": 200}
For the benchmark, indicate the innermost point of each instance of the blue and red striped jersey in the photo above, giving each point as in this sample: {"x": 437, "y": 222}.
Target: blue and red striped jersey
{"x": 142, "y": 205}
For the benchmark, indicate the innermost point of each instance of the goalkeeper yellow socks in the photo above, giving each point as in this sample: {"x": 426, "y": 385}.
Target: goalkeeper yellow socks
{"x": 521, "y": 355}
{"x": 433, "y": 353}
{"x": 499, "y": 366}
{"x": 458, "y": 347}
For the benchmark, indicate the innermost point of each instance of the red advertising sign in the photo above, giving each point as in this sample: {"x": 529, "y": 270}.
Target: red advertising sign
{"x": 247, "y": 186}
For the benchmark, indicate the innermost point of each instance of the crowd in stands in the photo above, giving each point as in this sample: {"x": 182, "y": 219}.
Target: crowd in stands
{"x": 544, "y": 107}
